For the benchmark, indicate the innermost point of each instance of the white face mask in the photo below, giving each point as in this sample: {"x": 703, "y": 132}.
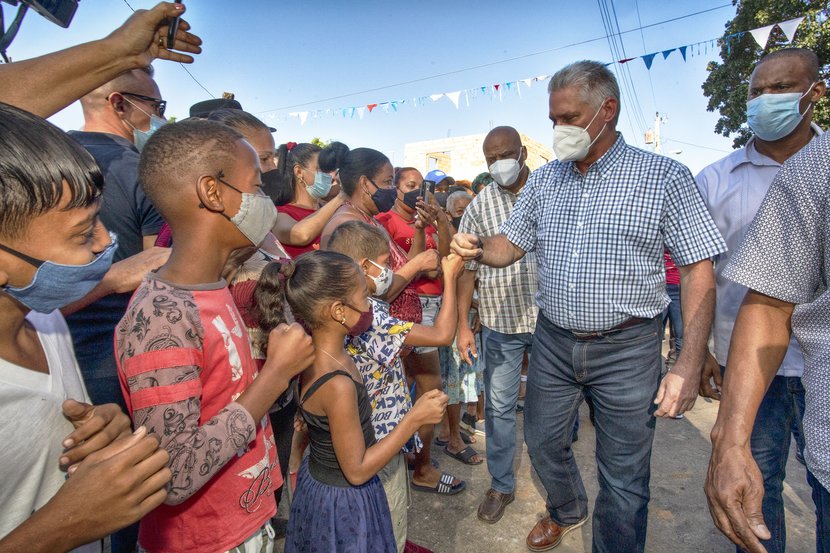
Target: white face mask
{"x": 571, "y": 143}
{"x": 383, "y": 281}
{"x": 506, "y": 171}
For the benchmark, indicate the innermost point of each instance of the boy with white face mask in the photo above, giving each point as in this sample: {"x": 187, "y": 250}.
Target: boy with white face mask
{"x": 183, "y": 354}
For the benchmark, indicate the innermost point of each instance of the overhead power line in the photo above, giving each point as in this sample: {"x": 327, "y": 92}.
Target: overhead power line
{"x": 186, "y": 70}
{"x": 490, "y": 64}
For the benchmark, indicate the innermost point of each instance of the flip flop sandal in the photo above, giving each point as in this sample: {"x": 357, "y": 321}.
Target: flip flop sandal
{"x": 441, "y": 443}
{"x": 466, "y": 438}
{"x": 464, "y": 455}
{"x": 444, "y": 486}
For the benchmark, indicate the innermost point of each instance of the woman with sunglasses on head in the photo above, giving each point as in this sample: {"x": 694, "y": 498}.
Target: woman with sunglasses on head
{"x": 303, "y": 187}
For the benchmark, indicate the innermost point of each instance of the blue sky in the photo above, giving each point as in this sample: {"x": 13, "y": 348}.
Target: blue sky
{"x": 297, "y": 55}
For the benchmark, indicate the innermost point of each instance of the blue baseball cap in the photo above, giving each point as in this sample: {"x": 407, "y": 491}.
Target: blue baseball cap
{"x": 437, "y": 175}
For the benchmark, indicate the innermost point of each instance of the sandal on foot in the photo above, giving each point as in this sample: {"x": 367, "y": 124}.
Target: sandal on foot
{"x": 444, "y": 486}
{"x": 441, "y": 443}
{"x": 464, "y": 455}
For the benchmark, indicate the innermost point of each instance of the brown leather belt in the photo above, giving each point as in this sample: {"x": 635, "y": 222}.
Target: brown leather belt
{"x": 633, "y": 321}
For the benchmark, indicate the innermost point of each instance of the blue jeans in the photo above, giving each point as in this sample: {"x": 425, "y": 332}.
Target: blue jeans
{"x": 821, "y": 497}
{"x": 621, "y": 373}
{"x": 674, "y": 316}
{"x": 503, "y": 355}
{"x": 781, "y": 408}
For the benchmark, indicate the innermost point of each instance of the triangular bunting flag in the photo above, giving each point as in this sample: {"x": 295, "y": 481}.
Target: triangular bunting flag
{"x": 352, "y": 111}
{"x": 648, "y": 59}
{"x": 303, "y": 117}
{"x": 370, "y": 107}
{"x": 343, "y": 111}
{"x": 360, "y": 111}
{"x": 667, "y": 52}
{"x": 467, "y": 97}
{"x": 626, "y": 60}
{"x": 394, "y": 105}
{"x": 436, "y": 97}
{"x": 453, "y": 96}
{"x": 496, "y": 87}
{"x": 789, "y": 27}
{"x": 508, "y": 85}
{"x": 542, "y": 77}
{"x": 528, "y": 82}
{"x": 385, "y": 107}
{"x": 761, "y": 35}
{"x": 683, "y": 52}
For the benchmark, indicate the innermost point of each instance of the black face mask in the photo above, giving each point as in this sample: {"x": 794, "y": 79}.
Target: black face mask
{"x": 411, "y": 198}
{"x": 456, "y": 222}
{"x": 277, "y": 187}
{"x": 384, "y": 198}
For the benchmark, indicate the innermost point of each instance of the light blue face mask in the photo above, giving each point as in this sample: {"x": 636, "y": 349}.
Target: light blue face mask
{"x": 774, "y": 116}
{"x": 321, "y": 187}
{"x": 140, "y": 138}
{"x": 55, "y": 285}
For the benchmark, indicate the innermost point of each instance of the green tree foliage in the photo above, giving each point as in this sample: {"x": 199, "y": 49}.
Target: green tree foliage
{"x": 317, "y": 141}
{"x": 726, "y": 85}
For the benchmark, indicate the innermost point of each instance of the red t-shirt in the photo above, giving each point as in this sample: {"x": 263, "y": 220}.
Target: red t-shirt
{"x": 403, "y": 232}
{"x": 183, "y": 359}
{"x": 672, "y": 274}
{"x": 298, "y": 213}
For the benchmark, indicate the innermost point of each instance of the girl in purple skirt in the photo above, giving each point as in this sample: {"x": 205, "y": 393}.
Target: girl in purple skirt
{"x": 339, "y": 505}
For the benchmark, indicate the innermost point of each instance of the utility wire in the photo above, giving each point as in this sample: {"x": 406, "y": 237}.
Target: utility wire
{"x": 643, "y": 38}
{"x": 480, "y": 66}
{"x": 186, "y": 70}
{"x": 696, "y": 145}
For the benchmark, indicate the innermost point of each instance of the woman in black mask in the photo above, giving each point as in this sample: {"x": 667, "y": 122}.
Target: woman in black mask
{"x": 366, "y": 178}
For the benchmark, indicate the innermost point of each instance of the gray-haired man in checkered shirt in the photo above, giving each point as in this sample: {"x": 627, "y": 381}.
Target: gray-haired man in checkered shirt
{"x": 598, "y": 221}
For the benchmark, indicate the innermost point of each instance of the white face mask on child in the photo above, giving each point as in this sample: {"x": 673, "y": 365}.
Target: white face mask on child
{"x": 383, "y": 281}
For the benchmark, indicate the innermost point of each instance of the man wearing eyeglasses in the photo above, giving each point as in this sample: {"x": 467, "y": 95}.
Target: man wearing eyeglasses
{"x": 119, "y": 117}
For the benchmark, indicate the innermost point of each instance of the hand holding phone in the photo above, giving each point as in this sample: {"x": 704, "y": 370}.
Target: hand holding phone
{"x": 172, "y": 30}
{"x": 427, "y": 186}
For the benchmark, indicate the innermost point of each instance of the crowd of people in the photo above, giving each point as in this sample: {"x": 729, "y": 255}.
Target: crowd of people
{"x": 199, "y": 325}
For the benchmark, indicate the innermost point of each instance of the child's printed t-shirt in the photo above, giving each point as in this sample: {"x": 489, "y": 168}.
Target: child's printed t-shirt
{"x": 183, "y": 359}
{"x": 376, "y": 355}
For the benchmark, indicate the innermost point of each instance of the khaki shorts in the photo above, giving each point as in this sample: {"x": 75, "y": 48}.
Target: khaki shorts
{"x": 395, "y": 482}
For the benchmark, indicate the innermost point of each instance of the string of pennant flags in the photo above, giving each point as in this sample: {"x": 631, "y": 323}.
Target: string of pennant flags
{"x": 760, "y": 35}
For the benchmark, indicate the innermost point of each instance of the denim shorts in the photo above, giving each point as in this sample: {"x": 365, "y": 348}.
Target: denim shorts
{"x": 429, "y": 308}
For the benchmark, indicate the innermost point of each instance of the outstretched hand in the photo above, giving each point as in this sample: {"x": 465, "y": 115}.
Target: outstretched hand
{"x": 144, "y": 36}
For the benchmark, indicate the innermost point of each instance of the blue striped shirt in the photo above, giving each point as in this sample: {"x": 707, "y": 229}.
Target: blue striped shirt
{"x": 599, "y": 237}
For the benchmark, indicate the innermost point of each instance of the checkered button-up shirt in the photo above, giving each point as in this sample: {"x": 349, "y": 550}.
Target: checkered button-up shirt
{"x": 506, "y": 296}
{"x": 786, "y": 255}
{"x": 599, "y": 237}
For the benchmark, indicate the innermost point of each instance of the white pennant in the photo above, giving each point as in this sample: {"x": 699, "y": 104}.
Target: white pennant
{"x": 436, "y": 97}
{"x": 467, "y": 97}
{"x": 454, "y": 96}
{"x": 789, "y": 27}
{"x": 761, "y": 35}
{"x": 360, "y": 111}
{"x": 303, "y": 117}
{"x": 528, "y": 82}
